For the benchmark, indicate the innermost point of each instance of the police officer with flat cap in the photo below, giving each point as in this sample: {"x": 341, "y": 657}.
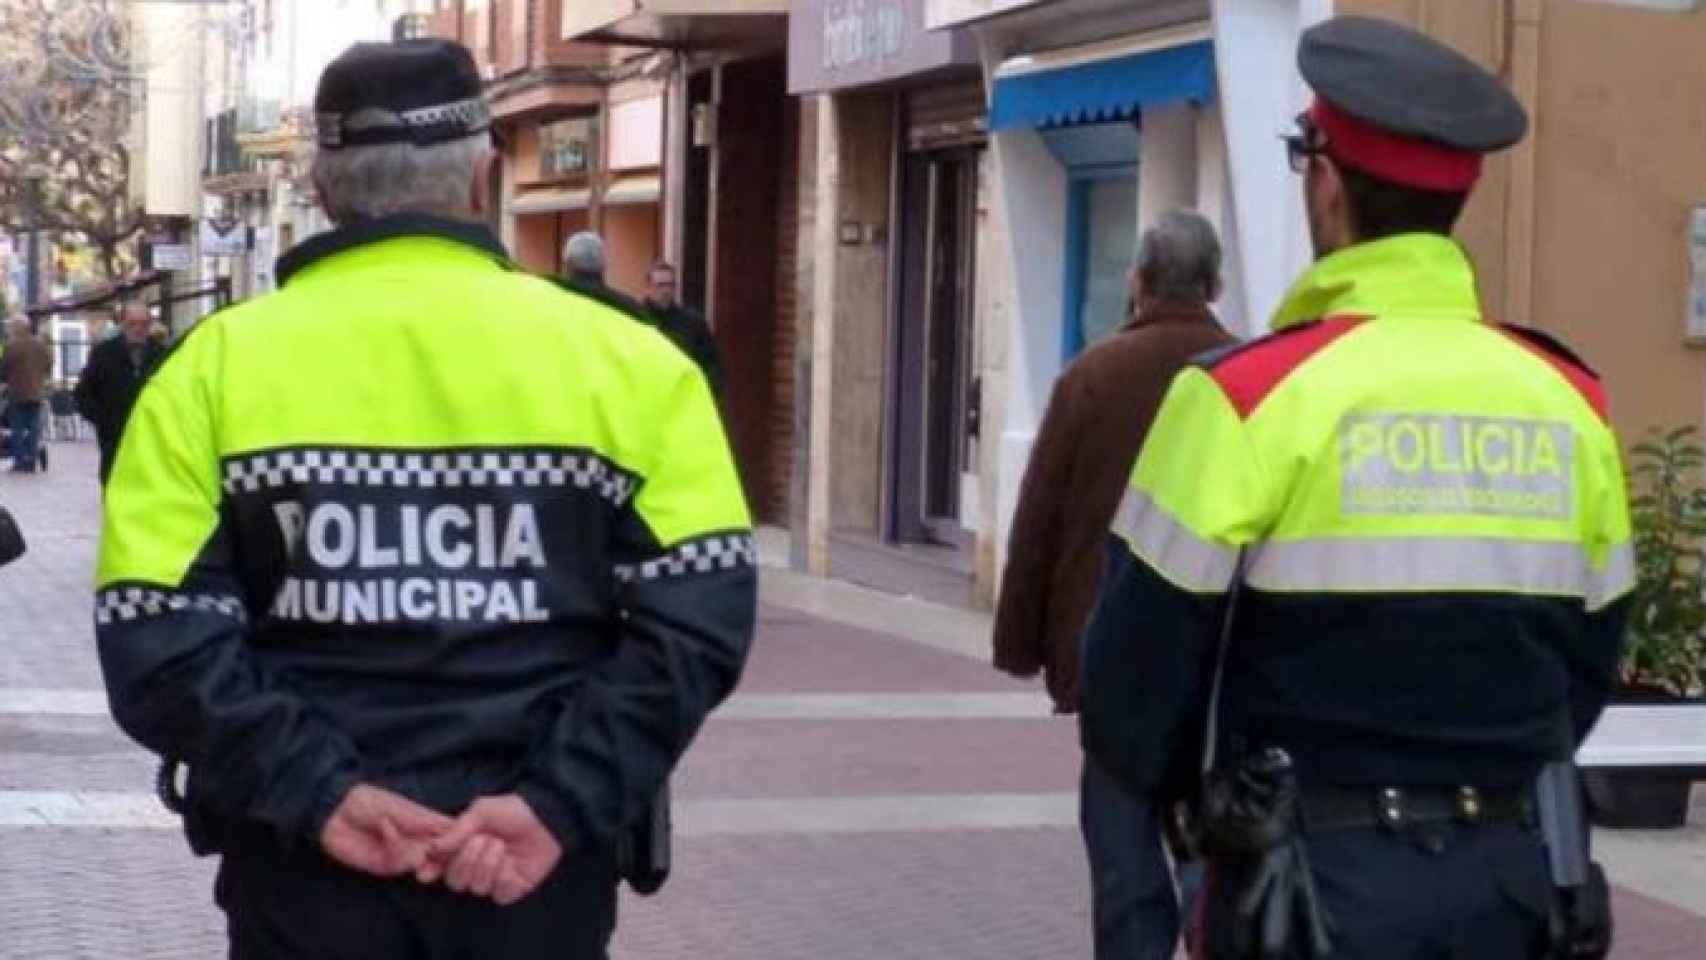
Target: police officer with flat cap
{"x": 1371, "y": 571}
{"x": 426, "y": 571}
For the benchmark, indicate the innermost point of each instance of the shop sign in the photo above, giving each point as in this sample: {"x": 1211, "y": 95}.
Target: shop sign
{"x": 833, "y": 44}
{"x": 857, "y": 32}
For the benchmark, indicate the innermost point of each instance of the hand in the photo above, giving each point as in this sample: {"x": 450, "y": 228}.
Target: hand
{"x": 497, "y": 849}
{"x": 382, "y": 833}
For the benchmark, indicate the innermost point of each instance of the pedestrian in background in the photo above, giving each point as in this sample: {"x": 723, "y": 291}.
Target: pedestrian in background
{"x": 113, "y": 377}
{"x": 583, "y": 273}
{"x": 1096, "y": 420}
{"x": 25, "y": 369}
{"x": 683, "y": 325}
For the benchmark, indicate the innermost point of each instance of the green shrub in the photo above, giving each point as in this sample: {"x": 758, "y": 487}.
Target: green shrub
{"x": 1667, "y": 619}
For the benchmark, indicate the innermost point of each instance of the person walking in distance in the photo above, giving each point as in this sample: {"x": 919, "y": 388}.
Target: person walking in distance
{"x": 427, "y": 571}
{"x": 1096, "y": 420}
{"x": 113, "y": 377}
{"x": 683, "y": 325}
{"x": 25, "y": 369}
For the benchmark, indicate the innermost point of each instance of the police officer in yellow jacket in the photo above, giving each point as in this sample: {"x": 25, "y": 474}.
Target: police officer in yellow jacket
{"x": 1406, "y": 525}
{"x": 427, "y": 570}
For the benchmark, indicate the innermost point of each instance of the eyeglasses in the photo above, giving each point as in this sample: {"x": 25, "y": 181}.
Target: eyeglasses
{"x": 1304, "y": 145}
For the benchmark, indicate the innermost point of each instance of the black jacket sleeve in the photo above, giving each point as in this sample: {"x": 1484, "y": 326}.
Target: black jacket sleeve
{"x": 701, "y": 344}
{"x": 88, "y": 394}
{"x": 686, "y": 563}
{"x": 1144, "y": 701}
{"x": 1592, "y": 663}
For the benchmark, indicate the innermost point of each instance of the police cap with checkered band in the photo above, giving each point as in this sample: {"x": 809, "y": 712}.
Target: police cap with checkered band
{"x": 414, "y": 91}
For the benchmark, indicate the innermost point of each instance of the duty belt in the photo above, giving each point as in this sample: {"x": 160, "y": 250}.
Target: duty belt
{"x": 1395, "y": 808}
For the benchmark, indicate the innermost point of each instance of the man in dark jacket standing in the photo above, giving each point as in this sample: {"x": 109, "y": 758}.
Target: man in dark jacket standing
{"x": 682, "y": 324}
{"x": 113, "y": 377}
{"x": 25, "y": 369}
{"x": 1097, "y": 417}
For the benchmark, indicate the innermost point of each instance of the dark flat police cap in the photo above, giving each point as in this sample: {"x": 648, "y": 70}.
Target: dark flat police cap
{"x": 1398, "y": 105}
{"x": 414, "y": 91}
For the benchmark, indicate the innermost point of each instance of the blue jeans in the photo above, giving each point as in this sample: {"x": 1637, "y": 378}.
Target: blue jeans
{"x": 1132, "y": 904}
{"x": 25, "y": 424}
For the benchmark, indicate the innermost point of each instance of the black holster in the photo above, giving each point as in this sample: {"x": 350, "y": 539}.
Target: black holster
{"x": 1581, "y": 921}
{"x": 1249, "y": 830}
{"x": 643, "y": 847}
{"x": 1581, "y": 925}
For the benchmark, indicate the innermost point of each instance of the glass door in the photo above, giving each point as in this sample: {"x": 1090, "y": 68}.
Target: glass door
{"x": 934, "y": 420}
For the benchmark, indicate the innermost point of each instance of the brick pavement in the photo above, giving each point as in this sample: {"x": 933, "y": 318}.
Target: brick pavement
{"x": 942, "y": 893}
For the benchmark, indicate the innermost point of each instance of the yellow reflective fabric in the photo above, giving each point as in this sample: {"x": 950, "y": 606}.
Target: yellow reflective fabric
{"x": 162, "y": 500}
{"x": 417, "y": 343}
{"x": 1198, "y": 489}
{"x": 1374, "y": 278}
{"x": 1422, "y": 423}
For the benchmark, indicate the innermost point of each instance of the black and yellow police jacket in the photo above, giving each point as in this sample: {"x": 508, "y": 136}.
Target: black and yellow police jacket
{"x": 422, "y": 520}
{"x": 1434, "y": 532}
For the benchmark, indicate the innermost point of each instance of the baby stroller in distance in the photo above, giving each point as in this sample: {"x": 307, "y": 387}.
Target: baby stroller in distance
{"x": 6, "y": 459}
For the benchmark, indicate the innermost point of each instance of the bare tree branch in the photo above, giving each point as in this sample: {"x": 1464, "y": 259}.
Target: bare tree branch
{"x": 61, "y": 116}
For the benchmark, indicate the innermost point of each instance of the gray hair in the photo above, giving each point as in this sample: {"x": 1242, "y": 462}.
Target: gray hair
{"x": 1179, "y": 259}
{"x": 379, "y": 180}
{"x": 583, "y": 255}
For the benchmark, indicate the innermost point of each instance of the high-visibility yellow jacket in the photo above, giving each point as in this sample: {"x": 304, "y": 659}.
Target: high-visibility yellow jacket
{"x": 422, "y": 520}
{"x": 1434, "y": 533}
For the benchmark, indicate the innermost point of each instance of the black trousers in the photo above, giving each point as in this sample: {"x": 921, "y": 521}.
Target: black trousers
{"x": 303, "y": 906}
{"x": 1434, "y": 892}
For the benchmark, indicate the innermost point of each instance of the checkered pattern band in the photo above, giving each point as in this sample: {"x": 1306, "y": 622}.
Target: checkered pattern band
{"x": 428, "y": 471}
{"x": 133, "y": 603}
{"x": 706, "y": 555}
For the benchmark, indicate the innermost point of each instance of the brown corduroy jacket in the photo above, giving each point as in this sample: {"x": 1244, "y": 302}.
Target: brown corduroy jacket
{"x": 1097, "y": 417}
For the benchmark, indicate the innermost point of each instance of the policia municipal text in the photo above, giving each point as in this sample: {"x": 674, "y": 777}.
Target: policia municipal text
{"x": 1402, "y": 532}
{"x": 427, "y": 570}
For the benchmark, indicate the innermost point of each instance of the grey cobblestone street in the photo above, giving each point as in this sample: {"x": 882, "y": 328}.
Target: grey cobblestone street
{"x": 864, "y": 795}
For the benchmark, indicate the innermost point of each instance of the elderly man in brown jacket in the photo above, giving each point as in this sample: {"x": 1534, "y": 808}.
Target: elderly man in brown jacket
{"x": 25, "y": 368}
{"x": 1097, "y": 417}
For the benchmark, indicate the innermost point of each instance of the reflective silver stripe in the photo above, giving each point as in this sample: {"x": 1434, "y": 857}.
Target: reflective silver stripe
{"x": 1618, "y": 578}
{"x": 1478, "y": 564}
{"x": 1170, "y": 548}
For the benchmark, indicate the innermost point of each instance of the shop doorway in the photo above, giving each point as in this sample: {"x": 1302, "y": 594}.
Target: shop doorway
{"x": 936, "y": 406}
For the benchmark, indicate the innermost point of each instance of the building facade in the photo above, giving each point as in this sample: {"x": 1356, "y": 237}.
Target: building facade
{"x": 1593, "y": 230}
{"x": 899, "y": 167}
{"x": 903, "y": 218}
{"x": 729, "y": 187}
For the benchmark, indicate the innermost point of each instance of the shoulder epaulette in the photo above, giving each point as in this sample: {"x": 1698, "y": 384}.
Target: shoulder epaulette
{"x": 1564, "y": 360}
{"x": 1551, "y": 345}
{"x": 1248, "y": 372}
